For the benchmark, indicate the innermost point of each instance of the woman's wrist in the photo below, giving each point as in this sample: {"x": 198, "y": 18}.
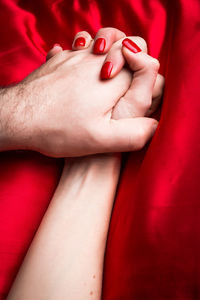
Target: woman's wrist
{"x": 88, "y": 184}
{"x": 90, "y": 174}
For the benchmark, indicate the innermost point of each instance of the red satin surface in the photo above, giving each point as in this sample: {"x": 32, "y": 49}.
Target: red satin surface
{"x": 154, "y": 239}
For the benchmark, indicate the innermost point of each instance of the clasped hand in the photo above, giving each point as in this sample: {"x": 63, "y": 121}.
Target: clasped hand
{"x": 65, "y": 109}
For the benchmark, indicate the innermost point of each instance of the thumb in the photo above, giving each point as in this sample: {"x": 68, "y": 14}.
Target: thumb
{"x": 129, "y": 134}
{"x": 56, "y": 49}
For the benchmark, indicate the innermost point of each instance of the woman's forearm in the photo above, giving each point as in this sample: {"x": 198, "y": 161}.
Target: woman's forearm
{"x": 65, "y": 260}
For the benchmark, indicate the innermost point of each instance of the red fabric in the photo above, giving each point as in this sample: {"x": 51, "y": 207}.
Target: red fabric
{"x": 154, "y": 239}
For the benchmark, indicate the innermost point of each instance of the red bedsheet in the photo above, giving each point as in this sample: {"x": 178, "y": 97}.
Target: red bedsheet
{"x": 153, "y": 249}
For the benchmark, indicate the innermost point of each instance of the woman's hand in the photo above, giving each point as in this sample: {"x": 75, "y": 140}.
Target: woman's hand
{"x": 108, "y": 40}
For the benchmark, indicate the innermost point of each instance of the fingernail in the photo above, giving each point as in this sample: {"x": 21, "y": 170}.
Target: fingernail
{"x": 131, "y": 45}
{"x": 106, "y": 70}
{"x": 80, "y": 42}
{"x": 57, "y": 45}
{"x": 99, "y": 46}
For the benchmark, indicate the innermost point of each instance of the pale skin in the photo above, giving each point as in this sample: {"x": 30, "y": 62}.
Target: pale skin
{"x": 65, "y": 260}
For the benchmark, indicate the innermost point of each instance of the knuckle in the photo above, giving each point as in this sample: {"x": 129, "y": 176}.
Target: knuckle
{"x": 113, "y": 30}
{"x": 144, "y": 106}
{"x": 143, "y": 103}
{"x": 106, "y": 28}
{"x": 154, "y": 64}
{"x": 123, "y": 34}
{"x": 147, "y": 104}
{"x": 162, "y": 81}
{"x": 109, "y": 30}
{"x": 160, "y": 86}
{"x": 102, "y": 30}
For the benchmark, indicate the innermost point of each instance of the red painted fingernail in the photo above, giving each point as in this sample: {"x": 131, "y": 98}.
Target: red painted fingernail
{"x": 99, "y": 46}
{"x": 80, "y": 42}
{"x": 106, "y": 70}
{"x": 56, "y": 45}
{"x": 131, "y": 45}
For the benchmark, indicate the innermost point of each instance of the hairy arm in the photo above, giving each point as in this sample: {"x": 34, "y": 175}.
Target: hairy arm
{"x": 7, "y": 115}
{"x": 15, "y": 119}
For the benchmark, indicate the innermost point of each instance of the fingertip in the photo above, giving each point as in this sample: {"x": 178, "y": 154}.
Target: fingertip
{"x": 55, "y": 49}
{"x": 131, "y": 45}
{"x": 82, "y": 40}
{"x": 79, "y": 42}
{"x": 109, "y": 70}
{"x": 116, "y": 62}
{"x": 135, "y": 60}
{"x": 99, "y": 46}
{"x": 106, "y": 70}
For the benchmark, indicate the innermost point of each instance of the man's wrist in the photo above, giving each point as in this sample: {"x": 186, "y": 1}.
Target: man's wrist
{"x": 13, "y": 127}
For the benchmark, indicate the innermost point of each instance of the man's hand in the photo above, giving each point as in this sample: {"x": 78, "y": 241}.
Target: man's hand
{"x": 64, "y": 109}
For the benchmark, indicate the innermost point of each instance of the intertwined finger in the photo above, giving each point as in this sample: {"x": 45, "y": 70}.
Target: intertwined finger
{"x": 115, "y": 60}
{"x": 138, "y": 99}
{"x": 105, "y": 38}
{"x": 157, "y": 94}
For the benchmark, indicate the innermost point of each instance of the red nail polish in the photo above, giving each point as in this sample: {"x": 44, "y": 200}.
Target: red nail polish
{"x": 131, "y": 45}
{"x": 106, "y": 70}
{"x": 56, "y": 45}
{"x": 99, "y": 46}
{"x": 80, "y": 42}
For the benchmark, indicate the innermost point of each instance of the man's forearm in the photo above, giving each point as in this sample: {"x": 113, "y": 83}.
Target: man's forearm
{"x": 11, "y": 119}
